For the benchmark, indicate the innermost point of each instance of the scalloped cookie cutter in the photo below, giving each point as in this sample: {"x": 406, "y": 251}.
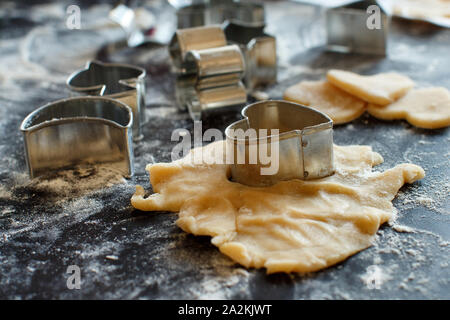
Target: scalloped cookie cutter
{"x": 243, "y": 25}
{"x": 209, "y": 70}
{"x": 259, "y": 50}
{"x": 305, "y": 143}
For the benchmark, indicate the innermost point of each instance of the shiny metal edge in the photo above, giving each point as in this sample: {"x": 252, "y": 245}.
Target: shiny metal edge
{"x": 127, "y": 130}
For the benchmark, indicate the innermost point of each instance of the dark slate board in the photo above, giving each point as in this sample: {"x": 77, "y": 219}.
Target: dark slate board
{"x": 62, "y": 219}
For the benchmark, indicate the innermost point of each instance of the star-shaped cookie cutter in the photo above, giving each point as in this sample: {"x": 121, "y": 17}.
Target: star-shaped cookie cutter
{"x": 123, "y": 82}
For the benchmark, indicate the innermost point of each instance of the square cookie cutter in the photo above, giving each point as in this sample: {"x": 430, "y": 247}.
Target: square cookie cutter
{"x": 79, "y": 130}
{"x": 305, "y": 143}
{"x": 123, "y": 82}
{"x": 350, "y": 28}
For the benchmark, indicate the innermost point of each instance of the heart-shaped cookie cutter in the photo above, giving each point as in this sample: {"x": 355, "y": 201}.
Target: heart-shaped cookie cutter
{"x": 303, "y": 145}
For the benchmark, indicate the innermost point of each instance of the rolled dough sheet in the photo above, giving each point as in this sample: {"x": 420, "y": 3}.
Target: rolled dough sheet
{"x": 425, "y": 108}
{"x": 293, "y": 226}
{"x": 381, "y": 89}
{"x": 323, "y": 96}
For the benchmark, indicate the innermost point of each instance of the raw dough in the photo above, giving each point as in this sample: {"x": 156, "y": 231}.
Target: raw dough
{"x": 321, "y": 95}
{"x": 425, "y": 108}
{"x": 381, "y": 89}
{"x": 293, "y": 226}
{"x": 422, "y": 9}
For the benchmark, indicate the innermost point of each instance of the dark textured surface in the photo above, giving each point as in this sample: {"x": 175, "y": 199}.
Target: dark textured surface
{"x": 67, "y": 219}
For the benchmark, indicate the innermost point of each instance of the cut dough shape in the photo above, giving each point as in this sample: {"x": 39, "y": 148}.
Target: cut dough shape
{"x": 323, "y": 96}
{"x": 293, "y": 226}
{"x": 425, "y": 108}
{"x": 381, "y": 89}
{"x": 422, "y": 9}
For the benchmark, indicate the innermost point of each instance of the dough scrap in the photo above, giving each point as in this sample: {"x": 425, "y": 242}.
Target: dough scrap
{"x": 293, "y": 226}
{"x": 425, "y": 108}
{"x": 381, "y": 89}
{"x": 339, "y": 105}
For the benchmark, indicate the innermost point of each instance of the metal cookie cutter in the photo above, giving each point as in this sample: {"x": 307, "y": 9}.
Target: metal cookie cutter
{"x": 259, "y": 50}
{"x": 185, "y": 40}
{"x": 196, "y": 100}
{"x": 360, "y": 27}
{"x": 305, "y": 143}
{"x": 205, "y": 12}
{"x": 125, "y": 17}
{"x": 122, "y": 82}
{"x": 80, "y": 130}
{"x": 215, "y": 67}
{"x": 209, "y": 70}
{"x": 200, "y": 13}
{"x": 245, "y": 23}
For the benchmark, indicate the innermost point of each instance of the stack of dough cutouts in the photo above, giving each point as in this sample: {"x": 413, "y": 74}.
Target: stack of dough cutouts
{"x": 345, "y": 95}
